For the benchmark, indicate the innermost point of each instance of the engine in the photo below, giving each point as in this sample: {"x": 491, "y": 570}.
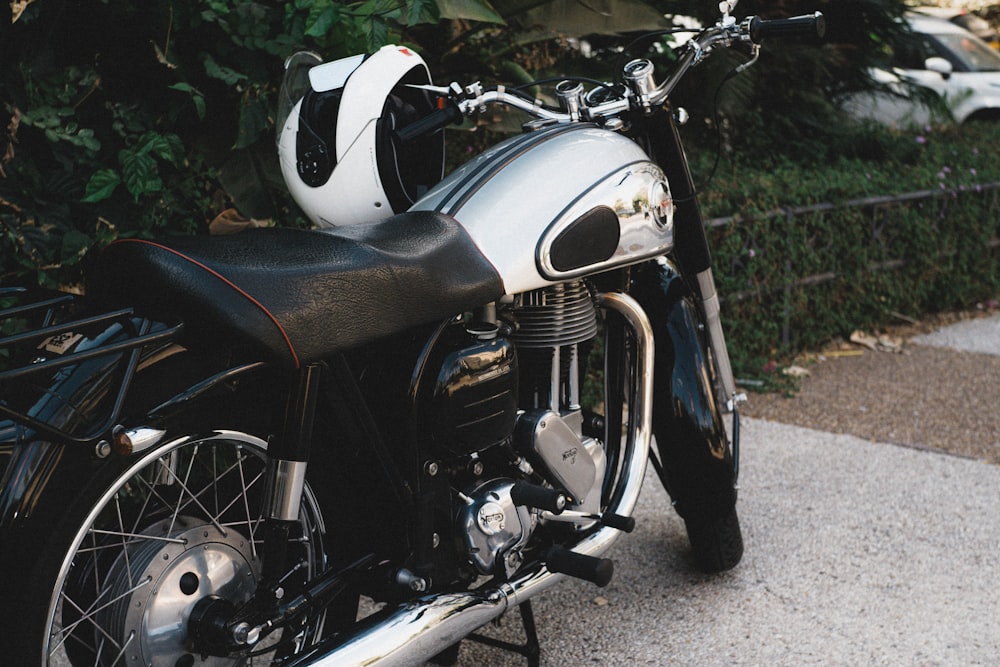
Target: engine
{"x": 506, "y": 413}
{"x": 553, "y": 328}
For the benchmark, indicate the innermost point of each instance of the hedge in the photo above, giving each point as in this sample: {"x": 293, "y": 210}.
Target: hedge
{"x": 833, "y": 257}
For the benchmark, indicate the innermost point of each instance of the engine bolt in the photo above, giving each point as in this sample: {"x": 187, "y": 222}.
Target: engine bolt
{"x": 103, "y": 449}
{"x": 243, "y": 633}
{"x": 415, "y": 583}
{"x": 431, "y": 468}
{"x": 476, "y": 468}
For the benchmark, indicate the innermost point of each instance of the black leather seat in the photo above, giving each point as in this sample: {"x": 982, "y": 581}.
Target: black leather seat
{"x": 300, "y": 294}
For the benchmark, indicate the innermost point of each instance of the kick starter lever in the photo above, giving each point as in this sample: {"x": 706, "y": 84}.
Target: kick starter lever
{"x": 626, "y": 524}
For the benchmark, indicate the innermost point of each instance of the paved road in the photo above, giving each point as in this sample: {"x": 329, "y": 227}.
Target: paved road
{"x": 857, "y": 553}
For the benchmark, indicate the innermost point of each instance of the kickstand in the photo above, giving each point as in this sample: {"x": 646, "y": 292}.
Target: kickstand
{"x": 530, "y": 649}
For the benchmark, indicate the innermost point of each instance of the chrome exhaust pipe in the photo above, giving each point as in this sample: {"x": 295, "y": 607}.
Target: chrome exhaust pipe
{"x": 416, "y": 631}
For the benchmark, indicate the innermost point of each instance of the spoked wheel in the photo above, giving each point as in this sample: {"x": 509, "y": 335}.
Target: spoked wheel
{"x": 177, "y": 527}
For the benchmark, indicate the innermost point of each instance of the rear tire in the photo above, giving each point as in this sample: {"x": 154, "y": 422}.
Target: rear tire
{"x": 141, "y": 545}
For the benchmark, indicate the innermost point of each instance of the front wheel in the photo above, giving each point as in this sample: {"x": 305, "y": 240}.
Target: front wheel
{"x": 133, "y": 556}
{"x": 716, "y": 543}
{"x": 693, "y": 455}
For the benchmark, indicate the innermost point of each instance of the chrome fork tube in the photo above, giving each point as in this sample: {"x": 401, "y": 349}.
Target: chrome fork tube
{"x": 726, "y": 385}
{"x": 417, "y": 630}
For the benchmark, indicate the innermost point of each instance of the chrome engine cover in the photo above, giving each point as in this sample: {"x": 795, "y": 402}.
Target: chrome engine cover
{"x": 493, "y": 528}
{"x": 576, "y": 462}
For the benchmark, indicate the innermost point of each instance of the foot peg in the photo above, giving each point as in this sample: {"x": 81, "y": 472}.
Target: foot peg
{"x": 539, "y": 497}
{"x": 626, "y": 524}
{"x": 589, "y": 568}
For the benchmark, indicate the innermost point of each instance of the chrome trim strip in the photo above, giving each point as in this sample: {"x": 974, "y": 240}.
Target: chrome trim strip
{"x": 644, "y": 234}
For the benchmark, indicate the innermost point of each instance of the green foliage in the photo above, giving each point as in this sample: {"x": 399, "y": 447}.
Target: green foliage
{"x": 125, "y": 119}
{"x": 815, "y": 253}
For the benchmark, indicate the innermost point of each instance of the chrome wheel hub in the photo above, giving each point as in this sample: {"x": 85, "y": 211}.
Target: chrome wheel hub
{"x": 161, "y": 579}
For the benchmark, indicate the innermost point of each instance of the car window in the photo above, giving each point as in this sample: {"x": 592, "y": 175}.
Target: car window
{"x": 974, "y": 54}
{"x": 911, "y": 50}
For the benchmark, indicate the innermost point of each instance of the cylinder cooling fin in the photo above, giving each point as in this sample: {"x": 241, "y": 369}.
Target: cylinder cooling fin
{"x": 557, "y": 315}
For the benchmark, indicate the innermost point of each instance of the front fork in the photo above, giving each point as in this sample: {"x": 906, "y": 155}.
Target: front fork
{"x": 723, "y": 380}
{"x": 691, "y": 248}
{"x": 700, "y": 464}
{"x": 725, "y": 384}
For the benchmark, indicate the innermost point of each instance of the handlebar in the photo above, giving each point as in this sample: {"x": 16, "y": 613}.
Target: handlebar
{"x": 751, "y": 30}
{"x": 641, "y": 93}
{"x": 808, "y": 24}
{"x": 432, "y": 122}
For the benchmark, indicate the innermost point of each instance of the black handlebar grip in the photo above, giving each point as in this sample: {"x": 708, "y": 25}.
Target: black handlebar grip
{"x": 539, "y": 497}
{"x": 808, "y": 24}
{"x": 597, "y": 571}
{"x": 432, "y": 122}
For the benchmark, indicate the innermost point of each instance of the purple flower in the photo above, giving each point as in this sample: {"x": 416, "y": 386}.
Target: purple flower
{"x": 753, "y": 253}
{"x": 973, "y": 171}
{"x": 921, "y": 139}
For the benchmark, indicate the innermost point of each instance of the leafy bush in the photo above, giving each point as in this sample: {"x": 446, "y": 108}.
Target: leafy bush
{"x": 813, "y": 253}
{"x": 127, "y": 119}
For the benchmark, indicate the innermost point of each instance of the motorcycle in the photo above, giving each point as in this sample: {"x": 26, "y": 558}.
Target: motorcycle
{"x": 360, "y": 443}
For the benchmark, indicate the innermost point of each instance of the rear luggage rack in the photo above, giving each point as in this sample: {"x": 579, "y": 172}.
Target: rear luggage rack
{"x": 36, "y": 318}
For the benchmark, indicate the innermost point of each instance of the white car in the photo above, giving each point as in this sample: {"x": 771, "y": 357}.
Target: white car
{"x": 963, "y": 18}
{"x": 941, "y": 57}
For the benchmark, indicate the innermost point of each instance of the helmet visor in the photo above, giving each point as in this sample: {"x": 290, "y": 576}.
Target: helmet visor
{"x": 294, "y": 85}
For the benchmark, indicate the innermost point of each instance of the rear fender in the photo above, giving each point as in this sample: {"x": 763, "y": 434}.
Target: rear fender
{"x": 697, "y": 460}
{"x": 39, "y": 474}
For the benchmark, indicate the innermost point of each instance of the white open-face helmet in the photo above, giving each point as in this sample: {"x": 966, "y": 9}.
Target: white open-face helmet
{"x": 339, "y": 154}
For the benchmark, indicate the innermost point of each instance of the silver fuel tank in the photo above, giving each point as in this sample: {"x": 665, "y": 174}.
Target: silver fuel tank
{"x": 561, "y": 202}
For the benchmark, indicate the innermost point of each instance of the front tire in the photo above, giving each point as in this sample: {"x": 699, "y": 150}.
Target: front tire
{"x": 716, "y": 543}
{"x": 131, "y": 557}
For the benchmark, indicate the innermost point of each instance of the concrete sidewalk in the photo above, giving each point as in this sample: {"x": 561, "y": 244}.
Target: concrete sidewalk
{"x": 857, "y": 553}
